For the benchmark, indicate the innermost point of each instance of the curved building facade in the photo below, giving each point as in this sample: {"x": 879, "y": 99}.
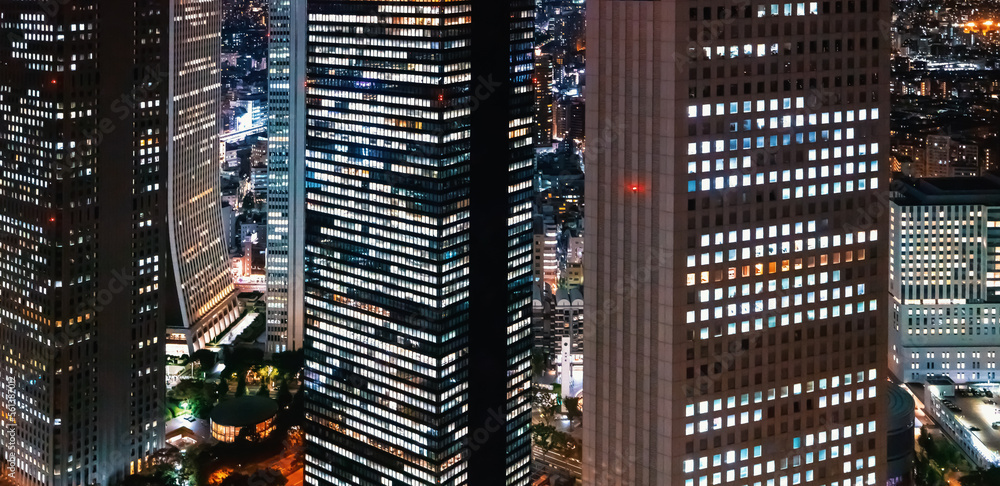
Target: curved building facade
{"x": 199, "y": 260}
{"x": 900, "y": 437}
{"x": 251, "y": 417}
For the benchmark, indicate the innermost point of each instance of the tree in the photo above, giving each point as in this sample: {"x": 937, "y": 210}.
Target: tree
{"x": 558, "y": 440}
{"x": 158, "y": 475}
{"x": 284, "y": 395}
{"x": 196, "y": 394}
{"x": 287, "y": 364}
{"x": 545, "y": 403}
{"x": 539, "y": 361}
{"x": 248, "y": 201}
{"x": 572, "y": 408}
{"x": 206, "y": 359}
{"x": 268, "y": 477}
{"x": 263, "y": 391}
{"x": 187, "y": 389}
{"x": 925, "y": 474}
{"x": 298, "y": 402}
{"x": 223, "y": 388}
{"x": 926, "y": 441}
{"x": 543, "y": 435}
{"x": 982, "y": 477}
{"x": 243, "y": 358}
{"x": 948, "y": 456}
{"x": 241, "y": 385}
{"x": 236, "y": 479}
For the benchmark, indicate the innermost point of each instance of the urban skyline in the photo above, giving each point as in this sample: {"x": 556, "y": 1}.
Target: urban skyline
{"x": 269, "y": 242}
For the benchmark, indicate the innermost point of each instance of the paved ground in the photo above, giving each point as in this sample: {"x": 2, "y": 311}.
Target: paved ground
{"x": 547, "y": 461}
{"x": 922, "y": 418}
{"x": 554, "y": 460}
{"x": 576, "y": 387}
{"x": 296, "y": 478}
{"x": 977, "y": 413}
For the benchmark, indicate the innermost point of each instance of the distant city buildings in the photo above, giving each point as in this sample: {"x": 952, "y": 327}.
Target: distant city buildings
{"x": 543, "y": 99}
{"x": 559, "y": 68}
{"x": 545, "y": 261}
{"x": 945, "y": 88}
{"x": 937, "y": 156}
{"x": 568, "y": 321}
{"x": 945, "y": 279}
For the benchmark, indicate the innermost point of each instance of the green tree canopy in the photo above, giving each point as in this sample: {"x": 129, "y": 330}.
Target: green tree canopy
{"x": 982, "y": 477}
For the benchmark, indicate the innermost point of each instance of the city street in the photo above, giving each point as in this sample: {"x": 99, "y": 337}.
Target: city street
{"x": 557, "y": 461}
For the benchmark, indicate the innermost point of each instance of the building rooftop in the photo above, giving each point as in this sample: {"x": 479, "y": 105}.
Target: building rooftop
{"x": 572, "y": 296}
{"x": 947, "y": 190}
{"x": 244, "y": 411}
{"x": 900, "y": 408}
{"x": 940, "y": 380}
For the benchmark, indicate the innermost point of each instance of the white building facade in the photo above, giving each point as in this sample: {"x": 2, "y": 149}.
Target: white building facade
{"x": 945, "y": 282}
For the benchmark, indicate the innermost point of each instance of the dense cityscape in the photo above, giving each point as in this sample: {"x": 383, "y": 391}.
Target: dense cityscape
{"x": 344, "y": 242}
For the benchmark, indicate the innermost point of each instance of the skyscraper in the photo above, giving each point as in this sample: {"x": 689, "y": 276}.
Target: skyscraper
{"x": 198, "y": 252}
{"x": 418, "y": 242}
{"x": 286, "y": 173}
{"x": 945, "y": 285}
{"x": 83, "y": 124}
{"x": 736, "y": 240}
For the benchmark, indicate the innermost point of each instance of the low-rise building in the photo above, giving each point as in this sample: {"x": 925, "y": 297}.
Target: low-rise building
{"x": 568, "y": 319}
{"x": 545, "y": 262}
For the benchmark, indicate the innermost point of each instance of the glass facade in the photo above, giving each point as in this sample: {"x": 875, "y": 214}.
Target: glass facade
{"x": 417, "y": 245}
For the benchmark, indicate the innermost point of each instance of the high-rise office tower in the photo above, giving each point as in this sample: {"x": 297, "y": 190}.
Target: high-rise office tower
{"x": 945, "y": 282}
{"x": 285, "y": 173}
{"x": 543, "y": 99}
{"x": 198, "y": 252}
{"x": 418, "y": 242}
{"x": 83, "y": 125}
{"x": 736, "y": 262}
